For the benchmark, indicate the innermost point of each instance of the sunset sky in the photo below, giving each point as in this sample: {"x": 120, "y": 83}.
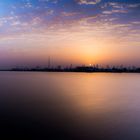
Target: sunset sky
{"x": 75, "y": 32}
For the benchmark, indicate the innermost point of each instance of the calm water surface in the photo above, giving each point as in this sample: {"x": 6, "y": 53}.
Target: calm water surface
{"x": 70, "y": 106}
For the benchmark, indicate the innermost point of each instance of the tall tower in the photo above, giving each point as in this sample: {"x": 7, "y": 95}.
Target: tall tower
{"x": 49, "y": 62}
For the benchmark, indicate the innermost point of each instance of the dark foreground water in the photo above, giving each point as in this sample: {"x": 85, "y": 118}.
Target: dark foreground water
{"x": 70, "y": 106}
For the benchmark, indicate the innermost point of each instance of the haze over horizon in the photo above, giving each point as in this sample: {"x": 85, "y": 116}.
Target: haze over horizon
{"x": 76, "y": 32}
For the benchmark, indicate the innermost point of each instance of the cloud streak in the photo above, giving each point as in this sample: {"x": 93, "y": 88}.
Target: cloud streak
{"x": 89, "y": 2}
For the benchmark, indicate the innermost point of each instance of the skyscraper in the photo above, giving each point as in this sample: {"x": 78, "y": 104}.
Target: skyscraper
{"x": 49, "y": 62}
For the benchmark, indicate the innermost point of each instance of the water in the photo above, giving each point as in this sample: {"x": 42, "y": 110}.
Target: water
{"x": 70, "y": 106}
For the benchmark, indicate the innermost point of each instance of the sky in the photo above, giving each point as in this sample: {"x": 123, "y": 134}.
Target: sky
{"x": 105, "y": 32}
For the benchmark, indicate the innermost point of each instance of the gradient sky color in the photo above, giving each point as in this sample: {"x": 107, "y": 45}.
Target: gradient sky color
{"x": 69, "y": 31}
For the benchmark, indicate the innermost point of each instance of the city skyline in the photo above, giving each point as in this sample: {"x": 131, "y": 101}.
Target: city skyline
{"x": 77, "y": 32}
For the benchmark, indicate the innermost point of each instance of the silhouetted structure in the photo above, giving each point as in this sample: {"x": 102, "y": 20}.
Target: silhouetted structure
{"x": 49, "y": 62}
{"x": 95, "y": 68}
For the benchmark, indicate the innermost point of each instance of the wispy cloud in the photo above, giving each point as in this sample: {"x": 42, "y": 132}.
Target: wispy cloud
{"x": 88, "y": 2}
{"x": 115, "y": 11}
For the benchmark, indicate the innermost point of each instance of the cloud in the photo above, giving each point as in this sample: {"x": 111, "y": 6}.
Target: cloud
{"x": 118, "y": 5}
{"x": 87, "y": 2}
{"x": 133, "y": 5}
{"x": 115, "y": 11}
{"x": 53, "y": 1}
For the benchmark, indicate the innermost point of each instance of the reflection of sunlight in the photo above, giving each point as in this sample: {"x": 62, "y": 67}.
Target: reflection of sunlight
{"x": 95, "y": 93}
{"x": 89, "y": 104}
{"x": 87, "y": 92}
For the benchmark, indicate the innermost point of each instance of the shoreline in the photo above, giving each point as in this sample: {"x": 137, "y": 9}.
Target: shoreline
{"x": 70, "y": 71}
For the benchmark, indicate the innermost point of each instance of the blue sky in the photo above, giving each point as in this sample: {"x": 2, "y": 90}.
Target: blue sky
{"x": 123, "y": 11}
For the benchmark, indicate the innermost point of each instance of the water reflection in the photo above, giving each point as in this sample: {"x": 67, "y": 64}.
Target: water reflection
{"x": 70, "y": 105}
